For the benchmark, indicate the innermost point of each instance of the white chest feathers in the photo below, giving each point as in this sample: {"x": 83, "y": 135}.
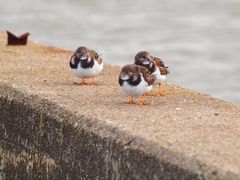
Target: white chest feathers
{"x": 159, "y": 77}
{"x": 88, "y": 72}
{"x": 137, "y": 90}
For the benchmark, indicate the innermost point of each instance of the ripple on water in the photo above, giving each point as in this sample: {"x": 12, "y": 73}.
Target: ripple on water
{"x": 200, "y": 44}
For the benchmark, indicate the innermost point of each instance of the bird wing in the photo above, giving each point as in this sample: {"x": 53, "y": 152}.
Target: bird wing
{"x": 158, "y": 61}
{"x": 164, "y": 70}
{"x": 160, "y": 64}
{"x": 95, "y": 55}
{"x": 148, "y": 77}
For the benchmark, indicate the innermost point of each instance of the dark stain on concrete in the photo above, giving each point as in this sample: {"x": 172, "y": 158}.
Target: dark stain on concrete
{"x": 41, "y": 141}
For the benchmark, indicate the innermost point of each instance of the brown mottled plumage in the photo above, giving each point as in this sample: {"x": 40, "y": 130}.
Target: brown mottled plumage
{"x": 136, "y": 80}
{"x": 95, "y": 55}
{"x": 161, "y": 65}
{"x": 145, "y": 56}
{"x": 135, "y": 71}
{"x": 82, "y": 51}
{"x": 140, "y": 56}
{"x": 155, "y": 65}
{"x": 86, "y": 63}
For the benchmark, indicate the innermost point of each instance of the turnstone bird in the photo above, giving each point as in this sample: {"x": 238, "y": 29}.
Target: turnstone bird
{"x": 86, "y": 63}
{"x": 135, "y": 81}
{"x": 155, "y": 65}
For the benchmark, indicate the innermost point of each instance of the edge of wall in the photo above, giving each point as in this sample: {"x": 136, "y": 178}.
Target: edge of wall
{"x": 40, "y": 139}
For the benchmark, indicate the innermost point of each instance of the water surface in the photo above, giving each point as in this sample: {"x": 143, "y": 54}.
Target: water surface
{"x": 199, "y": 40}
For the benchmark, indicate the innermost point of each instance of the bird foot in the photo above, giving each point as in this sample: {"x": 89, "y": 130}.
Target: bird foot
{"x": 142, "y": 103}
{"x": 83, "y": 83}
{"x": 160, "y": 94}
{"x": 93, "y": 83}
{"x": 130, "y": 102}
{"x": 149, "y": 94}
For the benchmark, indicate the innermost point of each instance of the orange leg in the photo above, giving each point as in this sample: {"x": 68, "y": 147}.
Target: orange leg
{"x": 93, "y": 81}
{"x": 149, "y": 94}
{"x": 160, "y": 91}
{"x": 82, "y": 82}
{"x": 131, "y": 101}
{"x": 142, "y": 102}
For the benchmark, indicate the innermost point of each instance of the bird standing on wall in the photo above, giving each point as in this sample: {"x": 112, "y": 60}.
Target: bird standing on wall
{"x": 86, "y": 63}
{"x": 155, "y": 65}
{"x": 135, "y": 81}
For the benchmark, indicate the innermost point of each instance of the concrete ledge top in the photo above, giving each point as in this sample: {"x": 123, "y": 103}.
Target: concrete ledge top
{"x": 198, "y": 132}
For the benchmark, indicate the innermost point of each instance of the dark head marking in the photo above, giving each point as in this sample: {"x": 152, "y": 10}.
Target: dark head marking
{"x": 143, "y": 58}
{"x": 82, "y": 53}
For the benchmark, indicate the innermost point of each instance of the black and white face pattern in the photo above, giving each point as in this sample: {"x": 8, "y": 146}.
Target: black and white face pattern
{"x": 129, "y": 75}
{"x": 82, "y": 53}
{"x": 82, "y": 57}
{"x": 136, "y": 80}
{"x": 133, "y": 74}
{"x": 143, "y": 58}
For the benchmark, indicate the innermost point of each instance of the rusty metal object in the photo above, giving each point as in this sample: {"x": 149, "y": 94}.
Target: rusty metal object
{"x": 17, "y": 40}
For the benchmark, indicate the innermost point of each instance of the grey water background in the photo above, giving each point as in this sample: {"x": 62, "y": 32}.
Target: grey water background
{"x": 199, "y": 40}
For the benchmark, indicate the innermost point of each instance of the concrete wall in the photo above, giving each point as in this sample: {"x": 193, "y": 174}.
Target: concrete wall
{"x": 53, "y": 129}
{"x": 39, "y": 141}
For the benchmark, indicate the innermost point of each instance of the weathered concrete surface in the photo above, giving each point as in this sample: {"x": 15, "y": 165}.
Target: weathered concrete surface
{"x": 52, "y": 129}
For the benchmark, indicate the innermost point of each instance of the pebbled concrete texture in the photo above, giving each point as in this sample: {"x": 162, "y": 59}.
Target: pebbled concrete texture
{"x": 53, "y": 129}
